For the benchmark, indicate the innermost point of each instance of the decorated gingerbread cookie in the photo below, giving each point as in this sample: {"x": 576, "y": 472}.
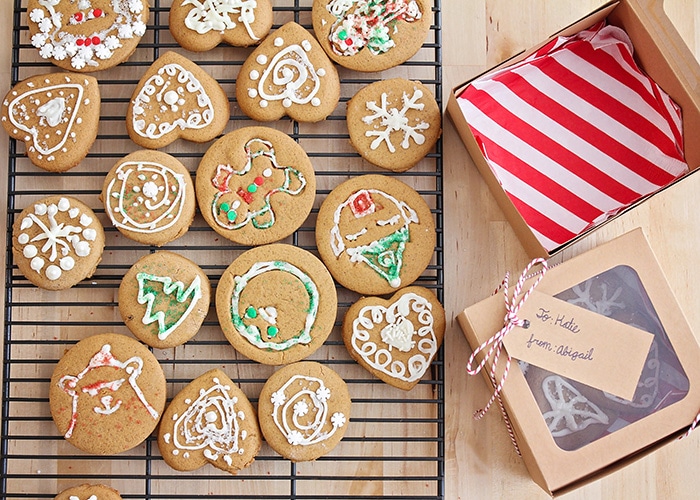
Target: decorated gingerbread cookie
{"x": 210, "y": 421}
{"x": 164, "y": 298}
{"x": 200, "y": 25}
{"x": 276, "y": 304}
{"x": 86, "y": 35}
{"x": 56, "y": 115}
{"x": 394, "y": 123}
{"x": 89, "y": 492}
{"x": 304, "y": 410}
{"x": 57, "y": 242}
{"x": 176, "y": 98}
{"x": 107, "y": 394}
{"x": 375, "y": 234}
{"x": 149, "y": 197}
{"x": 288, "y": 74}
{"x": 255, "y": 185}
{"x": 395, "y": 339}
{"x": 371, "y": 35}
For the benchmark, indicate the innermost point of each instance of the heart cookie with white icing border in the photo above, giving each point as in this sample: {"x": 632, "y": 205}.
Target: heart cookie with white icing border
{"x": 395, "y": 339}
{"x": 86, "y": 35}
{"x": 176, "y": 99}
{"x": 200, "y": 25}
{"x": 288, "y": 74}
{"x": 49, "y": 113}
{"x": 210, "y": 421}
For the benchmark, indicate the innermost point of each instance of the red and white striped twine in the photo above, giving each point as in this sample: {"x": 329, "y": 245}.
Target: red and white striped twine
{"x": 692, "y": 427}
{"x": 510, "y": 321}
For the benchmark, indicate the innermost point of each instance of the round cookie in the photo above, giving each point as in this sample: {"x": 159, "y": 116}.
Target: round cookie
{"x": 288, "y": 74}
{"x": 164, "y": 298}
{"x": 176, "y": 99}
{"x": 149, "y": 197}
{"x": 276, "y": 304}
{"x": 201, "y": 26}
{"x": 49, "y": 113}
{"x": 303, "y": 410}
{"x": 255, "y": 185}
{"x": 107, "y": 394}
{"x": 210, "y": 421}
{"x": 89, "y": 492}
{"x": 57, "y": 242}
{"x": 395, "y": 339}
{"x": 375, "y": 234}
{"x": 86, "y": 35}
{"x": 371, "y": 35}
{"x": 394, "y": 123}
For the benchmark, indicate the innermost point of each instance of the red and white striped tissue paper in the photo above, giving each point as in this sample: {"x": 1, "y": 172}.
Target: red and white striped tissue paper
{"x": 575, "y": 132}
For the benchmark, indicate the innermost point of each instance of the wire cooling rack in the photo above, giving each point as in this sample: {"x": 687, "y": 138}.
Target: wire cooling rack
{"x": 394, "y": 446}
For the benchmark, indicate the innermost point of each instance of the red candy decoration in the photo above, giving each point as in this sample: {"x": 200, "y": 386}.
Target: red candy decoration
{"x": 362, "y": 204}
{"x": 78, "y": 16}
{"x": 80, "y": 42}
{"x": 97, "y": 12}
{"x": 259, "y": 181}
{"x": 96, "y": 40}
{"x": 348, "y": 41}
{"x": 88, "y": 42}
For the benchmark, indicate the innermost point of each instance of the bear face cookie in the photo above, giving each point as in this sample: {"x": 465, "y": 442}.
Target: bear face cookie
{"x": 288, "y": 74}
{"x": 89, "y": 492}
{"x": 107, "y": 394}
{"x": 304, "y": 410}
{"x": 255, "y": 185}
{"x": 276, "y": 304}
{"x": 375, "y": 234}
{"x": 164, "y": 298}
{"x": 394, "y": 123}
{"x": 149, "y": 197}
{"x": 395, "y": 339}
{"x": 176, "y": 99}
{"x": 57, "y": 242}
{"x": 210, "y": 421}
{"x": 86, "y": 35}
{"x": 200, "y": 25}
{"x": 371, "y": 35}
{"x": 56, "y": 115}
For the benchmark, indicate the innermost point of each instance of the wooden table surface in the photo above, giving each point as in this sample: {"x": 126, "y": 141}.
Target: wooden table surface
{"x": 480, "y": 246}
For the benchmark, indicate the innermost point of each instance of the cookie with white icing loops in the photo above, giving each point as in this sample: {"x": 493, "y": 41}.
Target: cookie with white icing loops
{"x": 57, "y": 242}
{"x": 176, "y": 99}
{"x": 56, "y": 115}
{"x": 210, "y": 421}
{"x": 86, "y": 35}
{"x": 394, "y": 123}
{"x": 395, "y": 339}
{"x": 89, "y": 492}
{"x": 200, "y": 25}
{"x": 288, "y": 74}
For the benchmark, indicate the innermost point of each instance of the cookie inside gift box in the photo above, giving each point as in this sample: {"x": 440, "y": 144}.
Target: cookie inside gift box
{"x": 577, "y": 414}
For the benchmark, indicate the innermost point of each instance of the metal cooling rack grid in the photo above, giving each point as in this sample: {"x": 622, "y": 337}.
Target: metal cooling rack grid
{"x": 394, "y": 447}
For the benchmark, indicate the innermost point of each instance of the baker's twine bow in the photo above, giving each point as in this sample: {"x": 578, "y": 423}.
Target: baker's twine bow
{"x": 692, "y": 427}
{"x": 511, "y": 320}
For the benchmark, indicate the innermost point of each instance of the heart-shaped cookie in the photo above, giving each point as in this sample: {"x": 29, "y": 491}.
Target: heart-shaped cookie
{"x": 86, "y": 35}
{"x": 288, "y": 74}
{"x": 200, "y": 25}
{"x": 49, "y": 113}
{"x": 395, "y": 339}
{"x": 176, "y": 98}
{"x": 209, "y": 421}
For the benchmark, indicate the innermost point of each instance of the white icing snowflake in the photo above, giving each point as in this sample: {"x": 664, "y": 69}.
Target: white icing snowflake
{"x": 125, "y": 31}
{"x": 295, "y": 438}
{"x": 59, "y": 53}
{"x": 84, "y": 4}
{"x": 136, "y": 6}
{"x": 45, "y": 25}
{"x": 139, "y": 28}
{"x": 278, "y": 398}
{"x": 78, "y": 62}
{"x": 112, "y": 42}
{"x": 103, "y": 52}
{"x": 395, "y": 120}
{"x": 46, "y": 51}
{"x": 36, "y": 15}
{"x": 301, "y": 408}
{"x": 39, "y": 39}
{"x": 323, "y": 393}
{"x": 571, "y": 411}
{"x": 338, "y": 419}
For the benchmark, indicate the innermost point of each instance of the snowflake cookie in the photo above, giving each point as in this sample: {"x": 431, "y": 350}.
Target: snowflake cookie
{"x": 394, "y": 123}
{"x": 371, "y": 35}
{"x": 395, "y": 339}
{"x": 56, "y": 115}
{"x": 57, "y": 242}
{"x": 86, "y": 35}
{"x": 200, "y": 25}
{"x": 288, "y": 74}
{"x": 304, "y": 410}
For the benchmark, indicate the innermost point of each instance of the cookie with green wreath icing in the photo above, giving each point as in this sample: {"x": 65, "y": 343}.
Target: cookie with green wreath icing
{"x": 375, "y": 234}
{"x": 164, "y": 298}
{"x": 371, "y": 35}
{"x": 255, "y": 185}
{"x": 89, "y": 492}
{"x": 276, "y": 304}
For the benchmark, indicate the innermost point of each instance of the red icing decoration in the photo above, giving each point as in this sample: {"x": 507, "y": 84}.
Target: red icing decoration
{"x": 97, "y": 12}
{"x": 88, "y": 42}
{"x": 96, "y": 40}
{"x": 362, "y": 204}
{"x": 78, "y": 16}
{"x": 247, "y": 197}
{"x": 80, "y": 42}
{"x": 259, "y": 181}
{"x": 348, "y": 41}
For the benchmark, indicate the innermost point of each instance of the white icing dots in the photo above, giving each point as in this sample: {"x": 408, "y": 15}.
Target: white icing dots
{"x": 85, "y": 220}
{"x": 261, "y": 59}
{"x": 63, "y": 204}
{"x": 23, "y": 239}
{"x": 316, "y": 102}
{"x": 321, "y": 72}
{"x": 171, "y": 97}
{"x": 278, "y": 42}
{"x": 30, "y": 251}
{"x": 90, "y": 234}
{"x": 254, "y": 74}
{"x": 267, "y": 172}
{"x": 82, "y": 248}
{"x": 53, "y": 272}
{"x": 252, "y": 93}
{"x": 37, "y": 264}
{"x": 67, "y": 263}
{"x": 306, "y": 45}
{"x": 286, "y": 102}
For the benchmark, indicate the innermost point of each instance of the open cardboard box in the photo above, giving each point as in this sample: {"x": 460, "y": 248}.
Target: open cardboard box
{"x": 660, "y": 53}
{"x": 611, "y": 324}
